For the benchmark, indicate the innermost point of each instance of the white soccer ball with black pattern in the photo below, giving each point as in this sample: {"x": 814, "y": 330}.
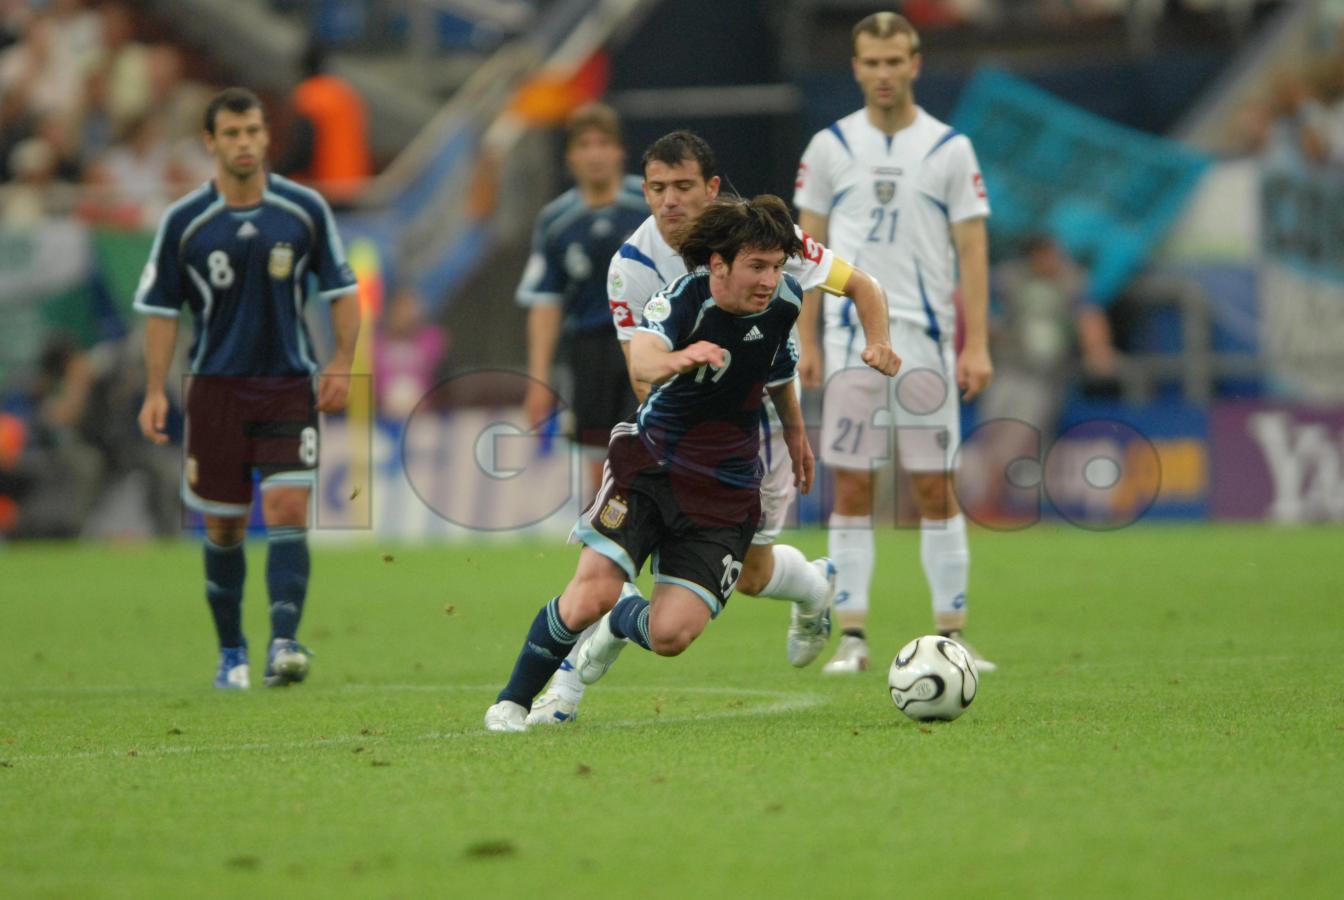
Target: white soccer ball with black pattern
{"x": 933, "y": 678}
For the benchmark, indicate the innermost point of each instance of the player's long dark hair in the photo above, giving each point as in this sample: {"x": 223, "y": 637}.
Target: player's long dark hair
{"x": 730, "y": 224}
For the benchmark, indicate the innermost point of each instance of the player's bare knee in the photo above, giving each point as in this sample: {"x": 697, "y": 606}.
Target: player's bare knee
{"x": 853, "y": 493}
{"x": 285, "y": 507}
{"x": 586, "y": 600}
{"x": 934, "y": 495}
{"x": 225, "y": 532}
{"x": 752, "y": 582}
{"x": 672, "y": 642}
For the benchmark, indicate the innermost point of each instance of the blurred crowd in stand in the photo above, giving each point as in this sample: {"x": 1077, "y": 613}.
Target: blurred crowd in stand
{"x": 1297, "y": 121}
{"x": 85, "y": 103}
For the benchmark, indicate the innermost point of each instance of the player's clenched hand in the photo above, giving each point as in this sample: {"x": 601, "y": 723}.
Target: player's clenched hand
{"x": 974, "y": 371}
{"x": 701, "y": 353}
{"x": 881, "y": 357}
{"x": 333, "y": 388}
{"x": 154, "y": 417}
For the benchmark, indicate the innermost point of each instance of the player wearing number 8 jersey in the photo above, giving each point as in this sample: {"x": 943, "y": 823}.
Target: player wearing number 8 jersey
{"x": 899, "y": 193}
{"x": 245, "y": 253}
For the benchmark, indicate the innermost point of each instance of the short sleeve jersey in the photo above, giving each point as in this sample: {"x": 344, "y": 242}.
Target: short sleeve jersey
{"x": 571, "y": 245}
{"x": 707, "y": 421}
{"x": 246, "y": 274}
{"x": 890, "y": 201}
{"x": 645, "y": 264}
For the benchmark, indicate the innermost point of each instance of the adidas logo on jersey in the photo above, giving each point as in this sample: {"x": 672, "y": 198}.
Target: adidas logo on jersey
{"x": 754, "y": 335}
{"x": 248, "y": 230}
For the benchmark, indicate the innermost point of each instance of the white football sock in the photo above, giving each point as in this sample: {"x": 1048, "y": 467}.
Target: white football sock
{"x": 947, "y": 566}
{"x": 566, "y": 682}
{"x": 851, "y": 549}
{"x": 794, "y": 578}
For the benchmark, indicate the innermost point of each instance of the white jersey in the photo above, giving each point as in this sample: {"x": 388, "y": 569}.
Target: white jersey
{"x": 890, "y": 201}
{"x": 645, "y": 264}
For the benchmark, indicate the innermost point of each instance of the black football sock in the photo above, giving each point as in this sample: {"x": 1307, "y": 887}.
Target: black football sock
{"x": 225, "y": 572}
{"x": 548, "y": 643}
{"x": 630, "y": 619}
{"x": 287, "y": 568}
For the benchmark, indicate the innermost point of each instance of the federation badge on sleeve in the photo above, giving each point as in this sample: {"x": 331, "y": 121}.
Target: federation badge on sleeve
{"x": 282, "y": 261}
{"x": 613, "y": 513}
{"x": 193, "y": 472}
{"x": 657, "y": 309}
{"x": 615, "y": 284}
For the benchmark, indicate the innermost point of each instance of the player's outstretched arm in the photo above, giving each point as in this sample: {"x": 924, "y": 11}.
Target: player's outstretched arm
{"x": 790, "y": 412}
{"x": 160, "y": 339}
{"x": 871, "y": 303}
{"x": 652, "y": 362}
{"x": 333, "y": 388}
{"x": 974, "y": 369}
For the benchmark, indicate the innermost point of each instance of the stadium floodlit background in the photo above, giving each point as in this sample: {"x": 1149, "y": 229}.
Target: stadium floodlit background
{"x": 1183, "y": 159}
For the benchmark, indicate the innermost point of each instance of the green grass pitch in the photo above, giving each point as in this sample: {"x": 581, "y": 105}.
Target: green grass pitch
{"x": 1167, "y": 721}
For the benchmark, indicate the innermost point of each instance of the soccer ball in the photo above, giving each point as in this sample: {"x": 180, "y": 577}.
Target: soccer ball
{"x": 933, "y": 678}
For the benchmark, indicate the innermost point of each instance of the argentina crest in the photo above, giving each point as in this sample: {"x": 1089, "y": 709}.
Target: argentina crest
{"x": 885, "y": 191}
{"x": 282, "y": 261}
{"x": 613, "y": 513}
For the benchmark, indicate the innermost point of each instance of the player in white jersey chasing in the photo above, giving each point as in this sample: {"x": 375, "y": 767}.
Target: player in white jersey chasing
{"x": 680, "y": 179}
{"x": 900, "y": 194}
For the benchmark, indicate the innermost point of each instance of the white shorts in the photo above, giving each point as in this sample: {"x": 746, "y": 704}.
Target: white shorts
{"x": 862, "y": 409}
{"x": 776, "y": 485}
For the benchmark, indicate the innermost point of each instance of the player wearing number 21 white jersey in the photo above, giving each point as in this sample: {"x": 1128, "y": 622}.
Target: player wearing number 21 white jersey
{"x": 900, "y": 193}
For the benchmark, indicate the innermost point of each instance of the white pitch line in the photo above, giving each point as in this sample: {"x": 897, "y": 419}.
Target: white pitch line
{"x": 784, "y": 703}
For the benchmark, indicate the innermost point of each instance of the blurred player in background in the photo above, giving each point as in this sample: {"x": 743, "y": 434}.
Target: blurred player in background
{"x": 564, "y": 286}
{"x": 682, "y": 482}
{"x": 240, "y": 251}
{"x": 681, "y": 178}
{"x": 899, "y": 193}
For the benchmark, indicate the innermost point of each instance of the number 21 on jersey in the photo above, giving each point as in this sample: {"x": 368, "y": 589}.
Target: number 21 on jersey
{"x": 884, "y": 225}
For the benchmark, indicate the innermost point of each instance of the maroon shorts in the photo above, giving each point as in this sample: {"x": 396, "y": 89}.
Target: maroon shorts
{"x": 696, "y": 529}
{"x": 238, "y": 426}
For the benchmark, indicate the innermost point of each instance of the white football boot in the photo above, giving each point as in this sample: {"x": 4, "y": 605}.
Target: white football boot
{"x": 851, "y": 657}
{"x": 809, "y": 631}
{"x": 506, "y": 716}
{"x": 981, "y": 664}
{"x": 599, "y": 652}
{"x": 552, "y": 709}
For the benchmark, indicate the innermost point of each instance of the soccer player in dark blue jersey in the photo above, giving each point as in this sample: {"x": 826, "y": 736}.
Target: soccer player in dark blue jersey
{"x": 565, "y": 284}
{"x": 682, "y": 483}
{"x": 245, "y": 253}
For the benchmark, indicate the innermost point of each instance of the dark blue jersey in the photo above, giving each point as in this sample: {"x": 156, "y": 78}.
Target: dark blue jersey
{"x": 246, "y": 274}
{"x": 571, "y": 246}
{"x": 708, "y": 421}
